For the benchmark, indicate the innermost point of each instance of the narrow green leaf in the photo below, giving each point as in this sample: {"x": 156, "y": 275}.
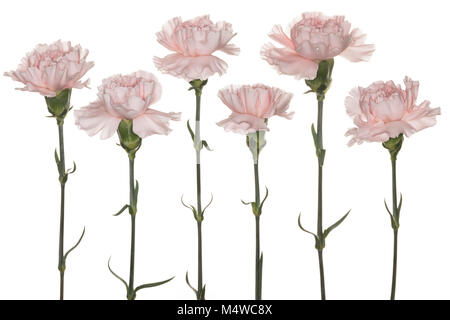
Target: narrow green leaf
{"x": 121, "y": 210}
{"x": 202, "y": 295}
{"x": 192, "y": 208}
{"x": 262, "y": 203}
{"x": 205, "y": 144}
{"x": 189, "y": 284}
{"x": 400, "y": 204}
{"x": 303, "y": 229}
{"x": 115, "y": 275}
{"x": 336, "y": 224}
{"x": 314, "y": 134}
{"x": 206, "y": 207}
{"x": 136, "y": 192}
{"x": 387, "y": 208}
{"x": 150, "y": 285}
{"x": 245, "y": 203}
{"x": 56, "y": 158}
{"x": 190, "y": 129}
{"x": 76, "y": 245}
{"x": 71, "y": 171}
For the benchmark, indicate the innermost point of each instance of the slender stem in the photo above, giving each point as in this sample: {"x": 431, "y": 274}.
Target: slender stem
{"x": 131, "y": 293}
{"x": 258, "y": 276}
{"x": 200, "y": 265}
{"x": 197, "y": 141}
{"x": 396, "y": 216}
{"x": 61, "y": 169}
{"x": 319, "y": 197}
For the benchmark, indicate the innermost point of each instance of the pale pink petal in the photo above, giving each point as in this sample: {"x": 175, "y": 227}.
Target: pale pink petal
{"x": 411, "y": 92}
{"x": 278, "y": 35}
{"x": 49, "y": 69}
{"x": 94, "y": 118}
{"x": 421, "y": 117}
{"x": 153, "y": 122}
{"x": 358, "y": 51}
{"x": 165, "y": 36}
{"x": 252, "y": 105}
{"x": 191, "y": 68}
{"x": 384, "y": 110}
{"x": 289, "y": 62}
{"x": 243, "y": 123}
{"x": 231, "y": 49}
{"x": 281, "y": 101}
{"x": 352, "y": 103}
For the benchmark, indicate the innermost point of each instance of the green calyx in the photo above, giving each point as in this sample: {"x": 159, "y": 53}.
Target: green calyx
{"x": 322, "y": 82}
{"x": 256, "y": 142}
{"x": 393, "y": 145}
{"x": 198, "y": 85}
{"x": 128, "y": 139}
{"x": 59, "y": 105}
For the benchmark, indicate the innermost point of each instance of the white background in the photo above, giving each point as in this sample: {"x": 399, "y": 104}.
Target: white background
{"x": 410, "y": 39}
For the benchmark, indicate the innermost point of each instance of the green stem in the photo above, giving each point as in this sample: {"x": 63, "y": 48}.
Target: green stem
{"x": 62, "y": 169}
{"x": 396, "y": 216}
{"x": 131, "y": 295}
{"x": 197, "y": 143}
{"x": 258, "y": 275}
{"x": 319, "y": 197}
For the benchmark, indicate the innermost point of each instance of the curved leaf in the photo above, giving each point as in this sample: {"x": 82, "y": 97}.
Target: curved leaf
{"x": 303, "y": 229}
{"x": 71, "y": 171}
{"x": 150, "y": 285}
{"x": 190, "y": 129}
{"x": 210, "y": 201}
{"x": 189, "y": 284}
{"x": 336, "y": 224}
{"x": 121, "y": 210}
{"x": 262, "y": 203}
{"x": 205, "y": 144}
{"x": 76, "y": 245}
{"x": 115, "y": 275}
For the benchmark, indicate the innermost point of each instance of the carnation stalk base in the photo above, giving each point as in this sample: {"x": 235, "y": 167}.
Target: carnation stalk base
{"x": 197, "y": 86}
{"x": 63, "y": 176}
{"x": 62, "y": 168}
{"x": 131, "y": 143}
{"x": 394, "y": 145}
{"x": 258, "y": 257}
{"x": 319, "y": 198}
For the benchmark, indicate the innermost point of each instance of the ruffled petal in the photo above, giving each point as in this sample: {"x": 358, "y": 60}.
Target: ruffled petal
{"x": 281, "y": 104}
{"x": 411, "y": 92}
{"x": 288, "y": 62}
{"x": 94, "y": 118}
{"x": 352, "y": 103}
{"x": 164, "y": 37}
{"x": 231, "y": 49}
{"x": 154, "y": 122}
{"x": 191, "y": 68}
{"x": 243, "y": 123}
{"x": 420, "y": 118}
{"x": 358, "y": 51}
{"x": 279, "y": 36}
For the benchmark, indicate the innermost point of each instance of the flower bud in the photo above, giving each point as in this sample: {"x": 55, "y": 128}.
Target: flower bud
{"x": 198, "y": 85}
{"x": 394, "y": 145}
{"x": 128, "y": 139}
{"x": 322, "y": 82}
{"x": 59, "y": 105}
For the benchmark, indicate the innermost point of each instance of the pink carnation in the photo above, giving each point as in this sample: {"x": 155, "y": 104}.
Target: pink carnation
{"x": 385, "y": 110}
{"x": 126, "y": 97}
{"x": 252, "y": 105}
{"x": 49, "y": 69}
{"x": 194, "y": 42}
{"x": 312, "y": 39}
